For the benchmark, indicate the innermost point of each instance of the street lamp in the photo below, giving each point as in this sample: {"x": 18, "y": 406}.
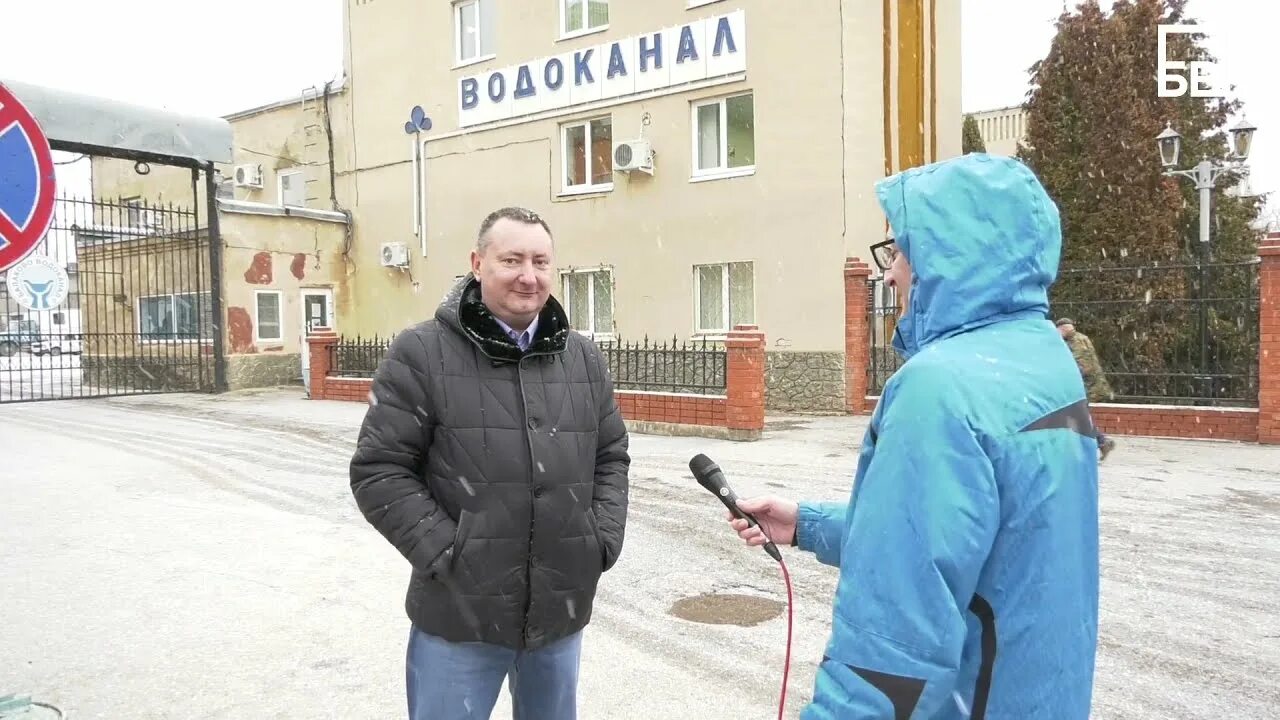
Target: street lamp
{"x": 1242, "y": 138}
{"x": 1205, "y": 175}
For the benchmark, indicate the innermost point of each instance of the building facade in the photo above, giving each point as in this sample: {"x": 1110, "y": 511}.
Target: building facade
{"x": 1003, "y": 129}
{"x": 282, "y": 256}
{"x": 702, "y": 164}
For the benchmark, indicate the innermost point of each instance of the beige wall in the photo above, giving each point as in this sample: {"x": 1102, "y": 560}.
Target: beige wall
{"x": 808, "y": 204}
{"x": 278, "y": 138}
{"x": 281, "y": 254}
{"x": 116, "y": 274}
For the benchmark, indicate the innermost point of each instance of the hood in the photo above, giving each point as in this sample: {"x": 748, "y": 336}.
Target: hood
{"x": 463, "y": 311}
{"x": 983, "y": 239}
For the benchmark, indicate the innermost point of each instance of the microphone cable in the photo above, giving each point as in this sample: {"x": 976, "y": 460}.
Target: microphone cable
{"x": 786, "y": 667}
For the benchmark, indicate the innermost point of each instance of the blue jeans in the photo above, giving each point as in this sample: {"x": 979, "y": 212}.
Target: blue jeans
{"x": 461, "y": 681}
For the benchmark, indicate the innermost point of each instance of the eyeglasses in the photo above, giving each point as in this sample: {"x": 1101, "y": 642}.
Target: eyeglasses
{"x": 885, "y": 252}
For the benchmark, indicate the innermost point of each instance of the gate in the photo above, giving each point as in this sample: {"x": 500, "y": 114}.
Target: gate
{"x": 882, "y": 319}
{"x": 120, "y": 303}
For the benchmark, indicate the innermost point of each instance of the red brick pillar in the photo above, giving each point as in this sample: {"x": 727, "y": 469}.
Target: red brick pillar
{"x": 320, "y": 343}
{"x": 857, "y": 335}
{"x": 1269, "y": 347}
{"x": 744, "y": 382}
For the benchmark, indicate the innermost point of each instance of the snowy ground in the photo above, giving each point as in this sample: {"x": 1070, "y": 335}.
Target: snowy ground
{"x": 24, "y": 376}
{"x": 200, "y": 557}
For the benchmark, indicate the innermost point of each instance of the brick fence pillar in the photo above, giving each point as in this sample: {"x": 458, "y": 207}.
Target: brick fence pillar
{"x": 744, "y": 382}
{"x": 857, "y": 334}
{"x": 1269, "y": 345}
{"x": 320, "y": 343}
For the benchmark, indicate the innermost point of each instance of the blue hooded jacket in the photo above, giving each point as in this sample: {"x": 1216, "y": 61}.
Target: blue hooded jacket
{"x": 968, "y": 551}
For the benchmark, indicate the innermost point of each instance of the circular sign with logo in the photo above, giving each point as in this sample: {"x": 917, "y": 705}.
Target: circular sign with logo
{"x": 39, "y": 283}
{"x": 27, "y": 182}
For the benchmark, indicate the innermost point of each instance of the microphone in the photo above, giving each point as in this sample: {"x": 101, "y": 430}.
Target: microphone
{"x": 709, "y": 476}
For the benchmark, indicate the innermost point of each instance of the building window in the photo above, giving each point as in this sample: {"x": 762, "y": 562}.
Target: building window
{"x": 473, "y": 30}
{"x": 182, "y": 316}
{"x": 587, "y": 150}
{"x": 226, "y": 189}
{"x": 724, "y": 137}
{"x": 267, "y": 308}
{"x": 578, "y": 17}
{"x": 588, "y": 298}
{"x": 293, "y": 188}
{"x": 133, "y": 212}
{"x": 725, "y": 295}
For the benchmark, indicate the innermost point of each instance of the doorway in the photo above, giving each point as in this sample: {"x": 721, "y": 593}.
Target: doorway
{"x": 317, "y": 311}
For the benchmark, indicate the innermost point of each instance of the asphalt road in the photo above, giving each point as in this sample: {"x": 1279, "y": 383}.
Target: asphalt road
{"x": 200, "y": 557}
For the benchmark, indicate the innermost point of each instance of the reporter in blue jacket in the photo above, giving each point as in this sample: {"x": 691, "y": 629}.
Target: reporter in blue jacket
{"x": 968, "y": 550}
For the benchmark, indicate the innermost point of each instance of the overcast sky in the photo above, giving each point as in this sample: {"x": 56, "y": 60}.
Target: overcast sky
{"x": 216, "y": 58}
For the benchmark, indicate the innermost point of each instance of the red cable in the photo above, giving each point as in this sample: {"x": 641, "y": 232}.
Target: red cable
{"x": 786, "y": 668}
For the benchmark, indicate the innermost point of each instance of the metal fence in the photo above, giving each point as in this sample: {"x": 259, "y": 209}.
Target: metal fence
{"x": 1169, "y": 334}
{"x": 882, "y": 319}
{"x": 1178, "y": 333}
{"x": 695, "y": 367}
{"x": 357, "y": 357}
{"x": 116, "y": 300}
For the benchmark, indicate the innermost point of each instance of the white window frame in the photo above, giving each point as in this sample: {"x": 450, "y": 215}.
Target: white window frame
{"x": 290, "y": 172}
{"x": 173, "y": 309}
{"x": 566, "y": 34}
{"x": 588, "y": 187}
{"x": 727, "y": 317}
{"x": 691, "y": 4}
{"x": 481, "y": 54}
{"x": 723, "y": 171}
{"x": 591, "y": 299}
{"x": 257, "y": 314}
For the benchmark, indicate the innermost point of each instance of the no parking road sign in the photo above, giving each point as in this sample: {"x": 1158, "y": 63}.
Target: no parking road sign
{"x": 27, "y": 185}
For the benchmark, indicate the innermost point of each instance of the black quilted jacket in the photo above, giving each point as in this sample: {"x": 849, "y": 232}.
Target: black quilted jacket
{"x": 500, "y": 475}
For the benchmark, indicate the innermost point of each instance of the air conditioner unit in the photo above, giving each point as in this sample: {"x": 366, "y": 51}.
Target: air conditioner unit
{"x": 395, "y": 254}
{"x": 150, "y": 220}
{"x": 633, "y": 155}
{"x": 249, "y": 176}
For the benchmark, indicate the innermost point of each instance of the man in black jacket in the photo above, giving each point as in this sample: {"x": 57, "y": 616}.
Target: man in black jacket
{"x": 494, "y": 458}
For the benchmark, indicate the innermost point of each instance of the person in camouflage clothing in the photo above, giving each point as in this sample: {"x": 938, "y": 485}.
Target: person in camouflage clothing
{"x": 1095, "y": 380}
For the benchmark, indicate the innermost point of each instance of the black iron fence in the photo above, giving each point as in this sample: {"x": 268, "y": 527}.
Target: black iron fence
{"x": 1178, "y": 333}
{"x": 357, "y": 357}
{"x": 117, "y": 299}
{"x": 696, "y": 367}
{"x": 882, "y": 319}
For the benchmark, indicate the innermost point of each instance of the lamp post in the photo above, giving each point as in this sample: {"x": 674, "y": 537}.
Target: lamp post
{"x": 1205, "y": 175}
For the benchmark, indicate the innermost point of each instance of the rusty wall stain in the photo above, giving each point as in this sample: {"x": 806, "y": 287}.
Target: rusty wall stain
{"x": 259, "y": 272}
{"x": 240, "y": 331}
{"x": 299, "y": 265}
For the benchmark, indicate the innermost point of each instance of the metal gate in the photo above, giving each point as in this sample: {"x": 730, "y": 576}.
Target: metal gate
{"x": 117, "y": 300}
{"x": 882, "y": 319}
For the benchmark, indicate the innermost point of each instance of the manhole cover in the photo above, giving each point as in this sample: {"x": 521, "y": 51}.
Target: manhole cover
{"x": 728, "y": 609}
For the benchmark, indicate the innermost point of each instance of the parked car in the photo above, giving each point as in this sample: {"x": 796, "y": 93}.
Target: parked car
{"x": 56, "y": 345}
{"x": 18, "y": 335}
